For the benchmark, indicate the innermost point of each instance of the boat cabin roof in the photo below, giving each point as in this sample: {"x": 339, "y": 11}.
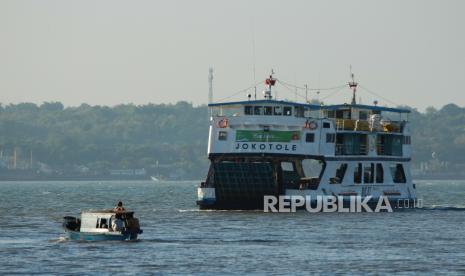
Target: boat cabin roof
{"x": 107, "y": 212}
{"x": 270, "y": 102}
{"x": 364, "y": 107}
{"x": 254, "y": 102}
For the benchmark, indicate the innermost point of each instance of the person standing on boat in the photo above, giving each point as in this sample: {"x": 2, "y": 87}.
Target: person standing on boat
{"x": 119, "y": 207}
{"x": 117, "y": 224}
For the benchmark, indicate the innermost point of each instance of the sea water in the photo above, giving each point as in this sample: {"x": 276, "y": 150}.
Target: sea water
{"x": 178, "y": 238}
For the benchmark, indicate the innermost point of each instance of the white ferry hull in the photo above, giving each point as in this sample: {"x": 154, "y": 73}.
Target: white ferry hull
{"x": 269, "y": 147}
{"x": 396, "y": 202}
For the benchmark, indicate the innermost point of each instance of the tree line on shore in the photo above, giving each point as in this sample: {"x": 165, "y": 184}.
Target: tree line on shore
{"x": 170, "y": 136}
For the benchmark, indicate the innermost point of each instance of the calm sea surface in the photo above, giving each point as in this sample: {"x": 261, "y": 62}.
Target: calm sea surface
{"x": 179, "y": 239}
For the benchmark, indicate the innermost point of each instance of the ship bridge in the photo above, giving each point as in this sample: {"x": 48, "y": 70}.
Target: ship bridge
{"x": 263, "y": 126}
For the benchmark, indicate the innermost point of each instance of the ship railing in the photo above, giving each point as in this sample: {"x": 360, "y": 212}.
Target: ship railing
{"x": 381, "y": 149}
{"x": 342, "y": 149}
{"x": 364, "y": 125}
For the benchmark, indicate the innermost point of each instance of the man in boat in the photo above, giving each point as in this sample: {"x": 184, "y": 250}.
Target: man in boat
{"x": 119, "y": 207}
{"x": 117, "y": 224}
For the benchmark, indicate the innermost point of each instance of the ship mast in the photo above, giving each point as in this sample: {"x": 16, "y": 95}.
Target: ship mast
{"x": 270, "y": 82}
{"x": 353, "y": 85}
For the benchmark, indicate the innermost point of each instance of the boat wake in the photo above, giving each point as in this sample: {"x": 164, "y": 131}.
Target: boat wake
{"x": 443, "y": 208}
{"x": 211, "y": 241}
{"x": 214, "y": 210}
{"x": 60, "y": 239}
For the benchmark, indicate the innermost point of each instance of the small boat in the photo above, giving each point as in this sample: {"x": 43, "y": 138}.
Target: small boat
{"x": 104, "y": 225}
{"x": 154, "y": 178}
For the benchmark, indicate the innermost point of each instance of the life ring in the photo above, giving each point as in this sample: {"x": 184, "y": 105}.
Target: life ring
{"x": 311, "y": 125}
{"x": 223, "y": 123}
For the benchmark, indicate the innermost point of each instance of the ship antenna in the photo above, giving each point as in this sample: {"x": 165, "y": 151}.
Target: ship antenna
{"x": 353, "y": 85}
{"x": 210, "y": 90}
{"x": 306, "y": 93}
{"x": 210, "y": 85}
{"x": 318, "y": 91}
{"x": 253, "y": 60}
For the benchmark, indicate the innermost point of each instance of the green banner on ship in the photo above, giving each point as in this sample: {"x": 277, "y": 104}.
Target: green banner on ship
{"x": 266, "y": 136}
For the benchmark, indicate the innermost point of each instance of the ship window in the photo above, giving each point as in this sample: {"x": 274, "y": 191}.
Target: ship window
{"x": 368, "y": 173}
{"x": 363, "y": 115}
{"x": 248, "y": 110}
{"x": 278, "y": 110}
{"x": 340, "y": 172}
{"x": 330, "y": 137}
{"x": 379, "y": 173}
{"x": 268, "y": 110}
{"x": 397, "y": 172}
{"x": 223, "y": 135}
{"x": 299, "y": 111}
{"x": 358, "y": 173}
{"x": 326, "y": 125}
{"x": 397, "y": 145}
{"x": 287, "y": 110}
{"x": 343, "y": 114}
{"x": 307, "y": 112}
{"x": 229, "y": 111}
{"x": 310, "y": 137}
{"x": 407, "y": 140}
{"x": 102, "y": 223}
{"x": 257, "y": 110}
{"x": 390, "y": 144}
{"x": 331, "y": 114}
{"x": 287, "y": 166}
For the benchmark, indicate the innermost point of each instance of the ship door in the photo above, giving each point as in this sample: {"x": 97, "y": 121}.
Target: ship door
{"x": 244, "y": 183}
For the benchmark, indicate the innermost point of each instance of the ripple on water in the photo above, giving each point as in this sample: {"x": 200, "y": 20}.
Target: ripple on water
{"x": 180, "y": 238}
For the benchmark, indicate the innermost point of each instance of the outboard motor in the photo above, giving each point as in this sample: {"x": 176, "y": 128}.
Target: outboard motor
{"x": 71, "y": 223}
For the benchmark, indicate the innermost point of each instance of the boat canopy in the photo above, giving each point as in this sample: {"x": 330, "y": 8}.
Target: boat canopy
{"x": 109, "y": 211}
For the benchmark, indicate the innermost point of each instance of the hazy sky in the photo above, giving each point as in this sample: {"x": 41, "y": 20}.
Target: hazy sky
{"x": 111, "y": 52}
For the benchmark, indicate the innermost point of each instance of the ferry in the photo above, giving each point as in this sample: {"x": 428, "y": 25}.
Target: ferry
{"x": 102, "y": 226}
{"x": 260, "y": 147}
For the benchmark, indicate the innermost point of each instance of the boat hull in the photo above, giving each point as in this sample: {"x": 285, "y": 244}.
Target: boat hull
{"x": 396, "y": 204}
{"x": 85, "y": 236}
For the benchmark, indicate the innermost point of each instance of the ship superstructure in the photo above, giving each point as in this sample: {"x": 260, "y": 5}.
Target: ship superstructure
{"x": 275, "y": 147}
